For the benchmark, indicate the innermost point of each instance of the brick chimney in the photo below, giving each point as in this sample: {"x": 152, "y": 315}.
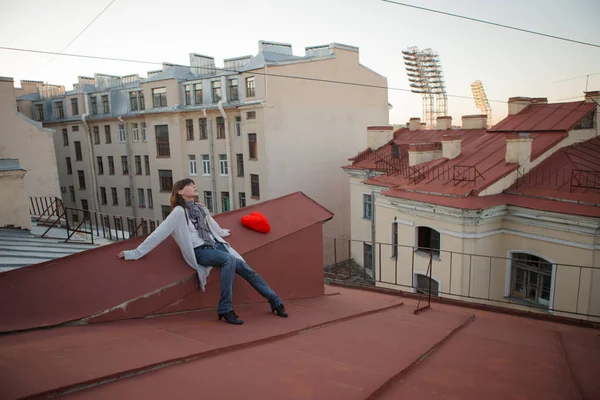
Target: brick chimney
{"x": 591, "y": 96}
{"x": 518, "y": 148}
{"x": 451, "y": 145}
{"x": 378, "y": 136}
{"x": 474, "y": 121}
{"x": 419, "y": 153}
{"x": 443, "y": 123}
{"x": 414, "y": 124}
{"x": 517, "y": 104}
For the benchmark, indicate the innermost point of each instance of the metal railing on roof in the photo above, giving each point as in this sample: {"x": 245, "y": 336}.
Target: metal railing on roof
{"x": 559, "y": 177}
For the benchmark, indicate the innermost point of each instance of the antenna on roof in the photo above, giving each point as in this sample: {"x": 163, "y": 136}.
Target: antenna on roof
{"x": 481, "y": 101}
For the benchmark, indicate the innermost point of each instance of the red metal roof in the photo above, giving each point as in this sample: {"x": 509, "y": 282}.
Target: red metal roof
{"x": 545, "y": 117}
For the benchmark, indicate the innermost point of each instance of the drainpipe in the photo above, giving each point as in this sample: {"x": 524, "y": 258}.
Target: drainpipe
{"x": 228, "y": 153}
{"x": 211, "y": 157}
{"x": 90, "y": 148}
{"x": 129, "y": 169}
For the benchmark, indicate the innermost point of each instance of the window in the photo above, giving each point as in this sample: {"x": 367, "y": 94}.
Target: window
{"x": 216, "y": 91}
{"x": 368, "y": 256}
{"x": 220, "y": 128}
{"x": 122, "y": 133}
{"x": 128, "y": 197}
{"x": 107, "y": 136}
{"x": 531, "y": 279}
{"x": 238, "y": 127}
{"x": 138, "y": 165}
{"x": 162, "y": 141}
{"x": 150, "y": 199}
{"x": 100, "y": 165}
{"x": 367, "y": 206}
{"x": 203, "y": 128}
{"x": 105, "y": 107}
{"x": 188, "y": 95}
{"x": 69, "y": 167}
{"x": 189, "y": 129}
{"x": 165, "y": 177}
{"x": 225, "y": 201}
{"x": 251, "y": 115}
{"x": 233, "y": 89}
{"x": 242, "y": 198}
{"x": 426, "y": 285}
{"x": 135, "y": 132}
{"x": 208, "y": 201}
{"x": 133, "y": 101}
{"x": 396, "y": 150}
{"x": 223, "y": 167}
{"x": 60, "y": 112}
{"x": 192, "y": 164}
{"x": 159, "y": 97}
{"x": 240, "y": 164}
{"x": 72, "y": 192}
{"x": 142, "y": 100}
{"x": 94, "y": 105}
{"x": 96, "y": 131}
{"x": 84, "y": 206}
{"x": 587, "y": 122}
{"x": 75, "y": 128}
{"x": 166, "y": 210}
{"x": 198, "y": 93}
{"x": 74, "y": 107}
{"x": 78, "y": 155}
{"x": 125, "y": 165}
{"x": 75, "y": 218}
{"x": 144, "y": 133}
{"x": 205, "y": 164}
{"x": 250, "y": 87}
{"x": 147, "y": 164}
{"x": 394, "y": 240}
{"x": 103, "y": 199}
{"x": 254, "y": 186}
{"x": 81, "y": 177}
{"x": 65, "y": 137}
{"x": 252, "y": 147}
{"x": 428, "y": 240}
{"x": 144, "y": 227}
{"x": 111, "y": 165}
{"x": 39, "y": 109}
{"x": 115, "y": 196}
{"x": 141, "y": 199}
{"x": 152, "y": 226}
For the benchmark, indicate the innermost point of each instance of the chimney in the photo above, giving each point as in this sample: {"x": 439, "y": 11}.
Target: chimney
{"x": 592, "y": 97}
{"x": 451, "y": 145}
{"x": 443, "y": 123}
{"x": 419, "y": 153}
{"x": 422, "y": 126}
{"x": 474, "y": 121}
{"x": 30, "y": 86}
{"x": 517, "y": 104}
{"x": 378, "y": 136}
{"x": 414, "y": 124}
{"x": 518, "y": 148}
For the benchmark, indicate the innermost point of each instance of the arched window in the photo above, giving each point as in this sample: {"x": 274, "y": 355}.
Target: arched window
{"x": 428, "y": 240}
{"x": 531, "y": 279}
{"x": 424, "y": 285}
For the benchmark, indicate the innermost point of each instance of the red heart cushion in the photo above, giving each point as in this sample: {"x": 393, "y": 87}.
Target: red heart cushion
{"x": 256, "y": 221}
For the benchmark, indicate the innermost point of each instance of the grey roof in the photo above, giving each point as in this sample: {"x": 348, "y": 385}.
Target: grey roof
{"x": 175, "y": 72}
{"x": 29, "y": 96}
{"x": 85, "y": 88}
{"x": 267, "y": 58}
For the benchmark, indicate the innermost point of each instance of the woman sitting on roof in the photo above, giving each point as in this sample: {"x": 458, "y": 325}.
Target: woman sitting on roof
{"x": 201, "y": 241}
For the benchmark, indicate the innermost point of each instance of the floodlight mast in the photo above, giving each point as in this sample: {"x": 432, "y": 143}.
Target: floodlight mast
{"x": 425, "y": 77}
{"x": 481, "y": 100}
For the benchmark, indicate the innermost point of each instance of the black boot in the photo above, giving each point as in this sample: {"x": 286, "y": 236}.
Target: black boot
{"x": 280, "y": 310}
{"x": 231, "y": 317}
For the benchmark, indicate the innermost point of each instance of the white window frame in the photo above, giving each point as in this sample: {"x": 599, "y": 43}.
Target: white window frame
{"x": 508, "y": 273}
{"x": 238, "y": 127}
{"x": 223, "y": 165}
{"x": 192, "y": 165}
{"x": 144, "y": 132}
{"x": 122, "y": 133}
{"x": 135, "y": 132}
{"x": 205, "y": 165}
{"x": 364, "y": 206}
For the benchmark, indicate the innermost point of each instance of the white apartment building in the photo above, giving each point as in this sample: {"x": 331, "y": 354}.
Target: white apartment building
{"x": 258, "y": 128}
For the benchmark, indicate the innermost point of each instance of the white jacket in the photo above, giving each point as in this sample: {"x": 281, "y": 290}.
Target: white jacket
{"x": 176, "y": 224}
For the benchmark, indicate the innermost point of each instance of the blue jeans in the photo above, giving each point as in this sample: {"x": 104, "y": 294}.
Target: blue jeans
{"x": 230, "y": 265}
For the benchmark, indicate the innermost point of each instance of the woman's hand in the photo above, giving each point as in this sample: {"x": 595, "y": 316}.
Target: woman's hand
{"x": 121, "y": 255}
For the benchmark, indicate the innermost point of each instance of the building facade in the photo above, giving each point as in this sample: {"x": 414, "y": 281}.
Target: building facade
{"x": 508, "y": 215}
{"x": 258, "y": 128}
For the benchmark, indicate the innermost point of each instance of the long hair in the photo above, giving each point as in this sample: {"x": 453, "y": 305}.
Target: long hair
{"x": 176, "y": 199}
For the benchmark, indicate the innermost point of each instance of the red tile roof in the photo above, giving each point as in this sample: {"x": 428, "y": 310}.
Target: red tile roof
{"x": 546, "y": 117}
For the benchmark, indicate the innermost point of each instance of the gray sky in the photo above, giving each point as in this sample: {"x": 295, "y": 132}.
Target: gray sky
{"x": 509, "y": 63}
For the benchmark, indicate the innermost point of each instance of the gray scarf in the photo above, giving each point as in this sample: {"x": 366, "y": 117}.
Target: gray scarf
{"x": 198, "y": 218}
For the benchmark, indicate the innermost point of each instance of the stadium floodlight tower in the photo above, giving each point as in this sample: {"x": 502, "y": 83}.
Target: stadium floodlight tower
{"x": 481, "y": 100}
{"x": 426, "y": 78}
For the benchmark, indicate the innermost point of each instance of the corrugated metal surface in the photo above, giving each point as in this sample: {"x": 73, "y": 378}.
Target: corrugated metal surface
{"x": 546, "y": 117}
